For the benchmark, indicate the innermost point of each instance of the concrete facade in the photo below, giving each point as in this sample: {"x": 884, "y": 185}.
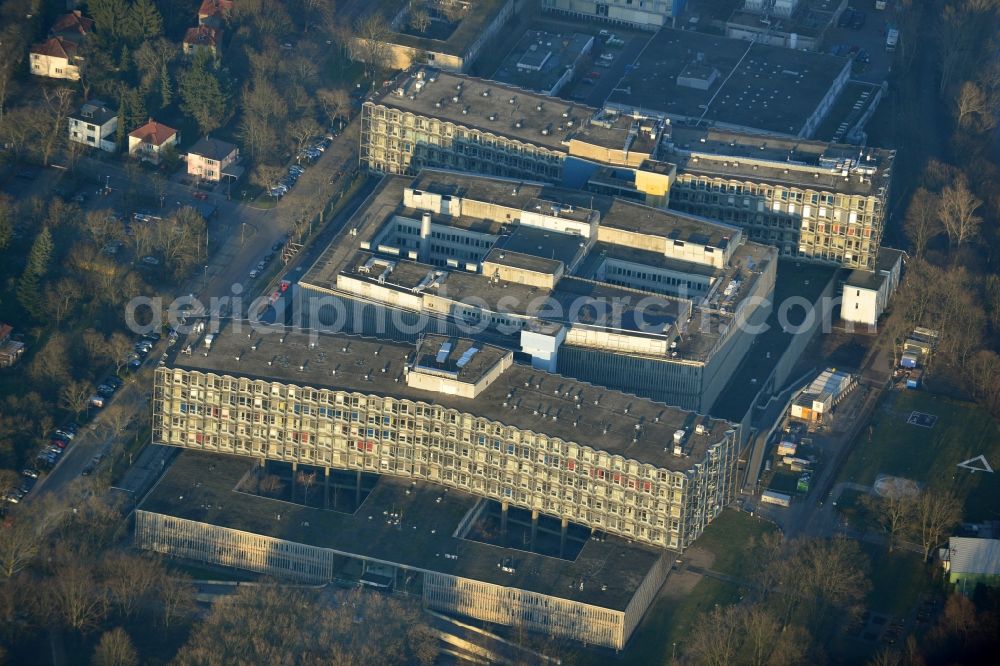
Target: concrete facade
{"x": 627, "y": 466}
{"x": 866, "y": 294}
{"x": 442, "y": 120}
{"x": 812, "y": 200}
{"x": 646, "y": 15}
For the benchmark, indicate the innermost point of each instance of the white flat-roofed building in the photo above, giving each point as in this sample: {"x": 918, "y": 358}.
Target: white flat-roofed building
{"x": 640, "y": 299}
{"x": 866, "y": 294}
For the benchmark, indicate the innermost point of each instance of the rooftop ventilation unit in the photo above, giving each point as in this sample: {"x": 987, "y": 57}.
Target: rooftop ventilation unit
{"x": 467, "y": 356}
{"x": 442, "y": 354}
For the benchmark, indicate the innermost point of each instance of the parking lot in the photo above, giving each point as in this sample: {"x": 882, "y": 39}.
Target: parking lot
{"x": 868, "y": 41}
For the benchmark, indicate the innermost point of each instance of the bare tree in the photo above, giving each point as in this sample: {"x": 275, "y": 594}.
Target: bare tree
{"x": 120, "y": 350}
{"x": 271, "y": 483}
{"x": 372, "y": 48}
{"x": 301, "y": 131}
{"x": 177, "y": 598}
{"x": 22, "y": 537}
{"x": 935, "y": 512}
{"x": 74, "y": 397}
{"x": 922, "y": 222}
{"x": 131, "y": 581}
{"x": 420, "y": 19}
{"x": 334, "y": 102}
{"x": 307, "y": 481}
{"x": 74, "y": 598}
{"x": 957, "y": 211}
{"x": 58, "y": 103}
{"x": 115, "y": 649}
{"x": 975, "y": 108}
{"x": 893, "y": 509}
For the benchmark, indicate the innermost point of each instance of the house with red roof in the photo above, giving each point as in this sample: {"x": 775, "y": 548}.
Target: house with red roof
{"x": 214, "y": 12}
{"x": 73, "y": 26}
{"x": 149, "y": 141}
{"x": 55, "y": 58}
{"x": 203, "y": 38}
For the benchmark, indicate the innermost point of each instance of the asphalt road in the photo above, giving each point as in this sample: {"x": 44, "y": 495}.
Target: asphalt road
{"x": 237, "y": 252}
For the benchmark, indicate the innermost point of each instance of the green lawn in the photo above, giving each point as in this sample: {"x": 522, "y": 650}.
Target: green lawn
{"x": 930, "y": 455}
{"x": 665, "y": 622}
{"x": 898, "y": 579}
{"x": 728, "y": 538}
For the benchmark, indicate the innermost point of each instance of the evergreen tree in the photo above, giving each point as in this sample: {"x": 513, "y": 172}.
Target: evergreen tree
{"x": 166, "y": 89}
{"x": 122, "y": 128}
{"x": 143, "y": 22}
{"x": 6, "y": 221}
{"x": 203, "y": 95}
{"x": 29, "y": 289}
{"x": 125, "y": 59}
{"x": 109, "y": 15}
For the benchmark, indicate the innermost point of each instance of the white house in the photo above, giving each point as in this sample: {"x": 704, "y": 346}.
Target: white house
{"x": 94, "y": 125}
{"x": 55, "y": 58}
{"x": 148, "y": 141}
{"x": 866, "y": 293}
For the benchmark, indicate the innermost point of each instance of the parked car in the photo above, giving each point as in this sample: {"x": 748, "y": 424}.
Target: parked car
{"x": 115, "y": 382}
{"x": 63, "y": 433}
{"x": 845, "y": 18}
{"x": 150, "y": 260}
{"x": 295, "y": 168}
{"x": 96, "y": 401}
{"x": 254, "y": 274}
{"x": 30, "y": 472}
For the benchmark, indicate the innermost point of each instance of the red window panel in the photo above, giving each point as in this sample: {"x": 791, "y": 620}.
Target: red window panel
{"x": 570, "y": 464}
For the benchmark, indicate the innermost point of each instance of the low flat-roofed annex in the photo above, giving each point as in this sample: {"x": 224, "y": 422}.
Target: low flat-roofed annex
{"x": 201, "y": 487}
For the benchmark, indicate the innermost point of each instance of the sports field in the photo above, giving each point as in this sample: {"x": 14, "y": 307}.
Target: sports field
{"x": 924, "y": 437}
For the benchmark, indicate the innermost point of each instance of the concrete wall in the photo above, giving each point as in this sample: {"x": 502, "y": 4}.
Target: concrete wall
{"x": 508, "y": 606}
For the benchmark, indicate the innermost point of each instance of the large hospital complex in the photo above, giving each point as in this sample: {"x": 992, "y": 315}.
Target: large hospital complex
{"x": 497, "y": 390}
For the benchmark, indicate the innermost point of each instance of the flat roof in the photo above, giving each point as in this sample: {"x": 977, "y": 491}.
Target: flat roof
{"x": 463, "y": 359}
{"x": 632, "y": 216}
{"x": 781, "y": 161}
{"x": 532, "y": 118}
{"x": 547, "y": 54}
{"x": 480, "y": 14}
{"x": 811, "y": 18}
{"x": 537, "y": 401}
{"x": 885, "y": 263}
{"x": 387, "y": 201}
{"x": 523, "y": 261}
{"x": 201, "y": 487}
{"x": 754, "y": 85}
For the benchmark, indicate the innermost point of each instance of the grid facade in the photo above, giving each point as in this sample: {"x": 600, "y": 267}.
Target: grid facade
{"x": 803, "y": 222}
{"x": 356, "y": 431}
{"x": 500, "y": 604}
{"x": 401, "y": 142}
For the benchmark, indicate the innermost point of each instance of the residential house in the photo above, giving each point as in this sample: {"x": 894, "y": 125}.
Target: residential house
{"x": 73, "y": 26}
{"x": 214, "y": 12}
{"x": 970, "y": 561}
{"x": 10, "y": 350}
{"x": 203, "y": 38}
{"x": 149, "y": 141}
{"x": 94, "y": 125}
{"x": 55, "y": 58}
{"x": 209, "y": 158}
